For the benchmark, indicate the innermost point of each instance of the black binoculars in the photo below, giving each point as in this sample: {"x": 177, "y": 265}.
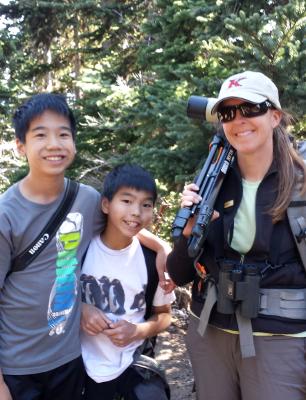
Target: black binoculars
{"x": 239, "y": 285}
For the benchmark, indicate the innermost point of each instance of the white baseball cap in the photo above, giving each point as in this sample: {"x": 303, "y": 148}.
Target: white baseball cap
{"x": 254, "y": 87}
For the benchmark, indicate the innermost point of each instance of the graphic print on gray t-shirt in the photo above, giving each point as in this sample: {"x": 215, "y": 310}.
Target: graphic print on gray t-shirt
{"x": 65, "y": 288}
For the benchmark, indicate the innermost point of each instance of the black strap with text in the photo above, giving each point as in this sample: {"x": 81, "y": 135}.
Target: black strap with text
{"x": 21, "y": 261}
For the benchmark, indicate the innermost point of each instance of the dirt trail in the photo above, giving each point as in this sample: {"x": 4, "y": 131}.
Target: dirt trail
{"x": 172, "y": 354}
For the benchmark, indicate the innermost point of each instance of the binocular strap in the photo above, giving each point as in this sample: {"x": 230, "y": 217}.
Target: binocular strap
{"x": 244, "y": 324}
{"x": 246, "y": 339}
{"x": 211, "y": 299}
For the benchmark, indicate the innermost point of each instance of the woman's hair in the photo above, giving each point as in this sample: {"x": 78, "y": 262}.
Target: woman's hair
{"x": 290, "y": 165}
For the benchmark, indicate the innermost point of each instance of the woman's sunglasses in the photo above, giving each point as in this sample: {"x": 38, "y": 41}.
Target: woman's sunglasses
{"x": 247, "y": 110}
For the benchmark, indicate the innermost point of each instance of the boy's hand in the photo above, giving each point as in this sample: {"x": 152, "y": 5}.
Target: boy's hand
{"x": 93, "y": 320}
{"x": 165, "y": 282}
{"x": 4, "y": 391}
{"x": 122, "y": 333}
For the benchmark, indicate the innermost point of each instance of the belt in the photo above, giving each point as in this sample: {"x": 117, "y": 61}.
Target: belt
{"x": 288, "y": 303}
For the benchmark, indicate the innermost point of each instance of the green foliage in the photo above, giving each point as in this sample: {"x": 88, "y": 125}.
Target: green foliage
{"x": 166, "y": 208}
{"x": 273, "y": 41}
{"x": 129, "y": 67}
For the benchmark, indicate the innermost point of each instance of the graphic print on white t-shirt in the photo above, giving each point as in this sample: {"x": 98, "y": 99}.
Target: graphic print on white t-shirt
{"x": 109, "y": 295}
{"x": 113, "y": 281}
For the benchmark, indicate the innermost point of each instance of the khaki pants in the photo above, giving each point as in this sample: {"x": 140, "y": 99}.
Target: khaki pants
{"x": 277, "y": 372}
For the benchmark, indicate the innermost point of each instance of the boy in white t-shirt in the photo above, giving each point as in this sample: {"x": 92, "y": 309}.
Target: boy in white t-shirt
{"x": 123, "y": 303}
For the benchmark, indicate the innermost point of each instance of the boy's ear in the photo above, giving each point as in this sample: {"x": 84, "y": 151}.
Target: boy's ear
{"x": 105, "y": 205}
{"x": 20, "y": 147}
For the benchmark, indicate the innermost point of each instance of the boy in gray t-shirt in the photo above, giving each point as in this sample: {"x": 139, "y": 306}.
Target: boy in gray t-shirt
{"x": 40, "y": 305}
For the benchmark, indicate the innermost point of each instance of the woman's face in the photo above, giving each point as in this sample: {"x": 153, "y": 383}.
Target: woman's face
{"x": 251, "y": 136}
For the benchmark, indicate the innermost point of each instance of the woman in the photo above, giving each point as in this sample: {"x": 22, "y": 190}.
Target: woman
{"x": 249, "y": 259}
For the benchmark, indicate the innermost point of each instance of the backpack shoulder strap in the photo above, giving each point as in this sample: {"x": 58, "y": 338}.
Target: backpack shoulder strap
{"x": 21, "y": 261}
{"x": 296, "y": 213}
{"x": 150, "y": 259}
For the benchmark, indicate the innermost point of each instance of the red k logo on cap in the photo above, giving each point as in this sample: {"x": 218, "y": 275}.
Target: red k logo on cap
{"x": 234, "y": 82}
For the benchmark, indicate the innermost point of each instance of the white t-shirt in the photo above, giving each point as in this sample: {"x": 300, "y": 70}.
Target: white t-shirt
{"x": 115, "y": 282}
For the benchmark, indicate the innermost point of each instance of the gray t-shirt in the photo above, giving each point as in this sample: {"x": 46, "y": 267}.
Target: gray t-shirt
{"x": 40, "y": 306}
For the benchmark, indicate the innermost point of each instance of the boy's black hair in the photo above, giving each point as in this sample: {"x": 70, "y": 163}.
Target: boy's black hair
{"x": 128, "y": 175}
{"x": 35, "y": 106}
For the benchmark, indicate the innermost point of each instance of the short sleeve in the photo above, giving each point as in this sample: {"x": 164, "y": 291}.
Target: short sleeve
{"x": 161, "y": 298}
{"x": 6, "y": 248}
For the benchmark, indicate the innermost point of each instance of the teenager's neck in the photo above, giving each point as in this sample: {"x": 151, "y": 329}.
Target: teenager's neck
{"x": 114, "y": 241}
{"x": 42, "y": 191}
{"x": 253, "y": 169}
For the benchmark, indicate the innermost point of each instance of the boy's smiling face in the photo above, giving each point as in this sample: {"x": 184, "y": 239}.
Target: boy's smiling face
{"x": 128, "y": 212}
{"x": 49, "y": 145}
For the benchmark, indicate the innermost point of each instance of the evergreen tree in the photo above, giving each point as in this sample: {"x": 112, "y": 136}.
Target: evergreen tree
{"x": 129, "y": 67}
